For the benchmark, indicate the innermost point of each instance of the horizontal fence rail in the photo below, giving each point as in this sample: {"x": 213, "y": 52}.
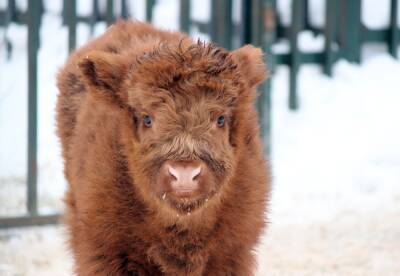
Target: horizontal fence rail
{"x": 260, "y": 24}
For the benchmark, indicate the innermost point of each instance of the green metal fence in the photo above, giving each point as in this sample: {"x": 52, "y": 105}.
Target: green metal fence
{"x": 260, "y": 25}
{"x": 344, "y": 36}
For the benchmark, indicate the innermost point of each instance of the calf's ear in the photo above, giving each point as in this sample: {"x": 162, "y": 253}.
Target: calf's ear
{"x": 250, "y": 61}
{"x": 103, "y": 73}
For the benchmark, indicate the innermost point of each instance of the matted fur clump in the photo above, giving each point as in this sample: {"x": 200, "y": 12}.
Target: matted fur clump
{"x": 162, "y": 154}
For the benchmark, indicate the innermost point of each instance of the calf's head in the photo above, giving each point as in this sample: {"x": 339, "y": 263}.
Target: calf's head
{"x": 185, "y": 111}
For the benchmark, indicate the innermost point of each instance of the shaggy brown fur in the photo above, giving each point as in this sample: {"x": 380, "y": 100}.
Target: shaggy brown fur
{"x": 120, "y": 222}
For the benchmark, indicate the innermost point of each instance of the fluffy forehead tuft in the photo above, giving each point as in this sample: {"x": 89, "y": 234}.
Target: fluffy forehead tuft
{"x": 188, "y": 68}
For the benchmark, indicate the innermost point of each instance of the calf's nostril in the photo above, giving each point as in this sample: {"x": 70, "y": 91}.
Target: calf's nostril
{"x": 195, "y": 173}
{"x": 173, "y": 172}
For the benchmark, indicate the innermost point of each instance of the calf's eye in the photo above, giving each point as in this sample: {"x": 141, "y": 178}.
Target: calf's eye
{"x": 221, "y": 121}
{"x": 147, "y": 121}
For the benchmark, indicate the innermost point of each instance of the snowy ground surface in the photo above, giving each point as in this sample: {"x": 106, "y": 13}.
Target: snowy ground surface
{"x": 335, "y": 208}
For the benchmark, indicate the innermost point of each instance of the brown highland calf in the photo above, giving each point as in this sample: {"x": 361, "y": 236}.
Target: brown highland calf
{"x": 162, "y": 154}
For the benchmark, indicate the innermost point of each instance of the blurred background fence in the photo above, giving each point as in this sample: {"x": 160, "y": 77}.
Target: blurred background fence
{"x": 343, "y": 34}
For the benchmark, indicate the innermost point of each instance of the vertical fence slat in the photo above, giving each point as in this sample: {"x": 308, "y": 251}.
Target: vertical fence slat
{"x": 255, "y": 26}
{"x": 33, "y": 45}
{"x": 124, "y": 9}
{"x": 94, "y": 16}
{"x": 256, "y": 21}
{"x": 221, "y": 23}
{"x": 393, "y": 29}
{"x": 110, "y": 12}
{"x": 269, "y": 37}
{"x": 267, "y": 27}
{"x": 258, "y": 28}
{"x": 11, "y": 11}
{"x": 351, "y": 29}
{"x": 330, "y": 34}
{"x": 246, "y": 10}
{"x": 71, "y": 13}
{"x": 306, "y": 16}
{"x": 184, "y": 18}
{"x": 297, "y": 19}
{"x": 149, "y": 10}
{"x": 64, "y": 13}
{"x": 9, "y": 15}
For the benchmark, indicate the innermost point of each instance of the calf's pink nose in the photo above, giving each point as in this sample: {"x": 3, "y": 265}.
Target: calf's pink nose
{"x": 181, "y": 178}
{"x": 184, "y": 175}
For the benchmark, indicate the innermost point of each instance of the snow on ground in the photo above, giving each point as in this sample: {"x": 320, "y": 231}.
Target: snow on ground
{"x": 335, "y": 208}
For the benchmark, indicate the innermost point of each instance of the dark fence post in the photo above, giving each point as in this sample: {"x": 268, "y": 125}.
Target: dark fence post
{"x": 393, "y": 29}
{"x": 246, "y": 21}
{"x": 33, "y": 45}
{"x": 184, "y": 16}
{"x": 269, "y": 32}
{"x": 11, "y": 11}
{"x": 221, "y": 23}
{"x": 267, "y": 25}
{"x": 124, "y": 9}
{"x": 330, "y": 34}
{"x": 306, "y": 16}
{"x": 64, "y": 13}
{"x": 9, "y": 16}
{"x": 297, "y": 24}
{"x": 94, "y": 17}
{"x": 110, "y": 12}
{"x": 149, "y": 10}
{"x": 351, "y": 29}
{"x": 259, "y": 25}
{"x": 71, "y": 19}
